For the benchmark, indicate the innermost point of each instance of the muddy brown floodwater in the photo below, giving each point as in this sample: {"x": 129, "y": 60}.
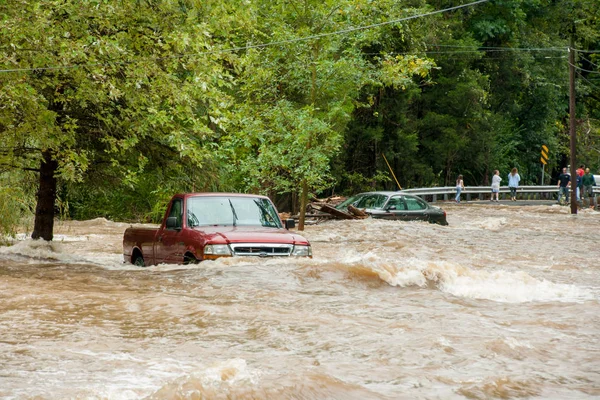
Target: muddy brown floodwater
{"x": 502, "y": 303}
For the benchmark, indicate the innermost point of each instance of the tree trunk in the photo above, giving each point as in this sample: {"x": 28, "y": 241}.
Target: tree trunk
{"x": 295, "y": 208}
{"x": 303, "y": 204}
{"x": 44, "y": 211}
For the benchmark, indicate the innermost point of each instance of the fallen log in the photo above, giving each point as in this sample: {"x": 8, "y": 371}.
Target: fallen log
{"x": 335, "y": 212}
{"x": 330, "y": 199}
{"x": 357, "y": 212}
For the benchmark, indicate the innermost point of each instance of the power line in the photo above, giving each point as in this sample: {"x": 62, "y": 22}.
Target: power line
{"x": 595, "y": 65}
{"x": 583, "y": 69}
{"x": 500, "y": 50}
{"x": 588, "y": 81}
{"x": 487, "y": 48}
{"x": 554, "y": 48}
{"x": 468, "y": 51}
{"x": 60, "y": 67}
{"x": 262, "y": 45}
{"x": 475, "y": 50}
{"x": 478, "y": 48}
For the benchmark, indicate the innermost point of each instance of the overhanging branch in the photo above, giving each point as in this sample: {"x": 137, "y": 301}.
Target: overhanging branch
{"x": 10, "y": 166}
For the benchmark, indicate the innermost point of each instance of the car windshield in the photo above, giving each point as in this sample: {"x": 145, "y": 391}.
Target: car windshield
{"x": 231, "y": 211}
{"x": 366, "y": 200}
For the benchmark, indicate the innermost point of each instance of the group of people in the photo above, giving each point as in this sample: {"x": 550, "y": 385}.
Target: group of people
{"x": 513, "y": 184}
{"x": 585, "y": 185}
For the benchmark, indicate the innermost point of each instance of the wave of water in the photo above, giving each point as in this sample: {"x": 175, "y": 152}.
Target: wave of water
{"x": 450, "y": 277}
{"x": 234, "y": 379}
{"x": 43, "y": 252}
{"x": 460, "y": 280}
{"x": 351, "y": 323}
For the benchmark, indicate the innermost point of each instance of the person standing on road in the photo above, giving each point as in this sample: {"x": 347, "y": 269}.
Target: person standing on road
{"x": 580, "y": 173}
{"x": 588, "y": 183}
{"x": 460, "y": 185}
{"x": 564, "y": 181}
{"x": 579, "y": 187}
{"x": 496, "y": 185}
{"x": 513, "y": 183}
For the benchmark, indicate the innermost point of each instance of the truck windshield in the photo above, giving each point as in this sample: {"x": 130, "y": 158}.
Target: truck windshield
{"x": 231, "y": 211}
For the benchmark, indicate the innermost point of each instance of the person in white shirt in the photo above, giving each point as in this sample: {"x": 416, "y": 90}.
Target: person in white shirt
{"x": 460, "y": 185}
{"x": 513, "y": 183}
{"x": 496, "y": 185}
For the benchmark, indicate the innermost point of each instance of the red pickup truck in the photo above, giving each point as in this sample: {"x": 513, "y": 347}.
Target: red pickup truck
{"x": 206, "y": 226}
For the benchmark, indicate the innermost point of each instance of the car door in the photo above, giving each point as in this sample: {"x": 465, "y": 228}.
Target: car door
{"x": 416, "y": 209}
{"x": 169, "y": 242}
{"x": 394, "y": 209}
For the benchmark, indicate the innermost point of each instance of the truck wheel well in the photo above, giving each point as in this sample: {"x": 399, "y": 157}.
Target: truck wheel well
{"x": 135, "y": 254}
{"x": 190, "y": 258}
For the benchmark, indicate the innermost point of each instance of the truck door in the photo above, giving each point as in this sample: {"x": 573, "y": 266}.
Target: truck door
{"x": 169, "y": 242}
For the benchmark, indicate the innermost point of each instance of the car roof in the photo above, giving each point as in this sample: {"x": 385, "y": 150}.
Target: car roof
{"x": 219, "y": 194}
{"x": 385, "y": 193}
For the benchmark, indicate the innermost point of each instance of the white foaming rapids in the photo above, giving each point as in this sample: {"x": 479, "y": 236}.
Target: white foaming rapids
{"x": 219, "y": 377}
{"x": 501, "y": 286}
{"x": 59, "y": 252}
{"x": 493, "y": 224}
{"x": 490, "y": 224}
{"x": 38, "y": 249}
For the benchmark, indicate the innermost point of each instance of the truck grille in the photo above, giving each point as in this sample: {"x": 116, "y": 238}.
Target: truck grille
{"x": 261, "y": 249}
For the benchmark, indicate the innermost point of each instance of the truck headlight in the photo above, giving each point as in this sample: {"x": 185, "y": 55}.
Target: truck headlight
{"x": 217, "y": 250}
{"x": 302, "y": 251}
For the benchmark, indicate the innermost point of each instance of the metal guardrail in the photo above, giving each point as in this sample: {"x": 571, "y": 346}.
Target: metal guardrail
{"x": 523, "y": 192}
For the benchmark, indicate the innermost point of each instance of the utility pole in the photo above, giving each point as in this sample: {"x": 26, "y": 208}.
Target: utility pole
{"x": 572, "y": 131}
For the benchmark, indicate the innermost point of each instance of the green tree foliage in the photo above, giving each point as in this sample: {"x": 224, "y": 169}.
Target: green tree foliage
{"x": 499, "y": 91}
{"x": 587, "y": 33}
{"x": 107, "y": 86}
{"x": 17, "y": 191}
{"x": 297, "y": 97}
{"x": 116, "y": 105}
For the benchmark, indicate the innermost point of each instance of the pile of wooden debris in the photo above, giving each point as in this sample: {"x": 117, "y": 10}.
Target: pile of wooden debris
{"x": 325, "y": 209}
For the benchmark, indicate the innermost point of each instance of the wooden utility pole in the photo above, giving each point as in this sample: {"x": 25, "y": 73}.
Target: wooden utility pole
{"x": 392, "y": 171}
{"x": 572, "y": 132}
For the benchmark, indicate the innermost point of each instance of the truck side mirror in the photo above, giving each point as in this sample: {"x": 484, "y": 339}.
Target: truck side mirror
{"x": 171, "y": 223}
{"x": 290, "y": 223}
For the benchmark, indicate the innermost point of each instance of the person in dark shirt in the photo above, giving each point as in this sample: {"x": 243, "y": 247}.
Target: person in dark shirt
{"x": 580, "y": 172}
{"x": 588, "y": 183}
{"x": 564, "y": 181}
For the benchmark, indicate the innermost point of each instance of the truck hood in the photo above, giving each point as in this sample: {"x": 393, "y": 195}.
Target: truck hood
{"x": 250, "y": 234}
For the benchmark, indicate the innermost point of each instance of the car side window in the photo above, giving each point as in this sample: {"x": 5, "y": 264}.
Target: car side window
{"x": 396, "y": 203}
{"x": 371, "y": 201}
{"x": 177, "y": 211}
{"x": 414, "y": 204}
{"x": 364, "y": 202}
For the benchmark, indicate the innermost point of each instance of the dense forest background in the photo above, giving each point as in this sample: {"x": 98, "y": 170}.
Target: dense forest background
{"x": 107, "y": 108}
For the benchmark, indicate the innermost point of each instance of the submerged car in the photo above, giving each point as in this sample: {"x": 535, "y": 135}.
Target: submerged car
{"x": 397, "y": 206}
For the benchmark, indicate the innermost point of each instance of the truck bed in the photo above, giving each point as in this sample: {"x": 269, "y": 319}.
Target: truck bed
{"x": 142, "y": 237}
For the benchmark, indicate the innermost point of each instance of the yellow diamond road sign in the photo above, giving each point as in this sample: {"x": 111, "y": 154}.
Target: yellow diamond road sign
{"x": 544, "y": 157}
